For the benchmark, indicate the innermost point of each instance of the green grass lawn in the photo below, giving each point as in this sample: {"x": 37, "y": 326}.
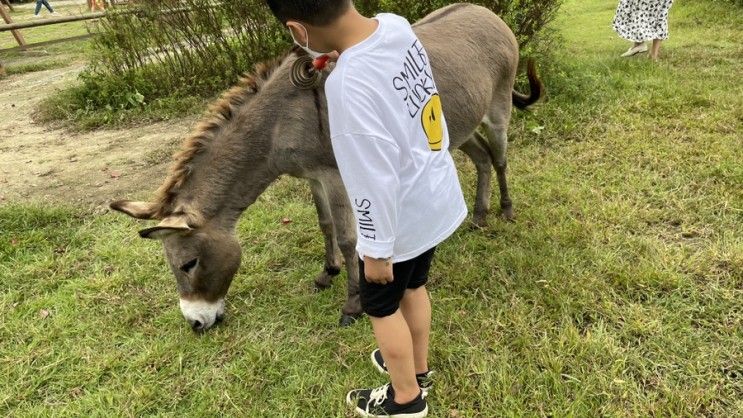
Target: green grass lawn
{"x": 618, "y": 292}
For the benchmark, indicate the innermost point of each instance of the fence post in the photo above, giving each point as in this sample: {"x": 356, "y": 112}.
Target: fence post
{"x": 7, "y": 3}
{"x": 16, "y": 33}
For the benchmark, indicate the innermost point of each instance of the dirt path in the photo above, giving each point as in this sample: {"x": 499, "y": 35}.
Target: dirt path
{"x": 47, "y": 164}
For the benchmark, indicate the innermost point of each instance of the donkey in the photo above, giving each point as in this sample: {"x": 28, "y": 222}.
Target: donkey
{"x": 264, "y": 128}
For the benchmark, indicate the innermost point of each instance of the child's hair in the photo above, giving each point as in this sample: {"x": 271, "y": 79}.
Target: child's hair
{"x": 317, "y": 12}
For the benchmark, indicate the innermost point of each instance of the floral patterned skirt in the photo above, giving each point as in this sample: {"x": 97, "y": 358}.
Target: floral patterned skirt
{"x": 642, "y": 20}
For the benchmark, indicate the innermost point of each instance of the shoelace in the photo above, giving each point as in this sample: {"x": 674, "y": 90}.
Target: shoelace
{"x": 379, "y": 395}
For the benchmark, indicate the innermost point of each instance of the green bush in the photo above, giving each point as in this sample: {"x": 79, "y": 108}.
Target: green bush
{"x": 525, "y": 17}
{"x": 159, "y": 49}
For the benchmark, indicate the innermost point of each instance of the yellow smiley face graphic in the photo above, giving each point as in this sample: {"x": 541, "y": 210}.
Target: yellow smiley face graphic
{"x": 432, "y": 120}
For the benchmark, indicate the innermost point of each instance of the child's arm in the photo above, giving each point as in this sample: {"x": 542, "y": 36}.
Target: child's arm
{"x": 368, "y": 158}
{"x": 369, "y": 166}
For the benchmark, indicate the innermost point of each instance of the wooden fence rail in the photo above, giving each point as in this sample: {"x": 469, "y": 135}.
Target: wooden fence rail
{"x": 15, "y": 28}
{"x": 52, "y": 21}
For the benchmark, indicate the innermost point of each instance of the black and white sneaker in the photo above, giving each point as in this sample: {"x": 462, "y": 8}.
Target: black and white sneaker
{"x": 380, "y": 403}
{"x": 424, "y": 379}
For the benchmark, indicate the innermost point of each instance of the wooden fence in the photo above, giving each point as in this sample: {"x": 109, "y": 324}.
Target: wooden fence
{"x": 15, "y": 28}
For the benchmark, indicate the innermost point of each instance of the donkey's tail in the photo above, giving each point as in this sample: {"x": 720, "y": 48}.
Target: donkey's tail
{"x": 522, "y": 101}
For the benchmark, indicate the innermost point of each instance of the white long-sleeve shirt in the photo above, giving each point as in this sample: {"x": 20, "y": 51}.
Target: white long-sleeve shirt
{"x": 391, "y": 143}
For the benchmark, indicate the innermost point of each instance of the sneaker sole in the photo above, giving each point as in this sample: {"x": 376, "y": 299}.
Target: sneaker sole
{"x": 350, "y": 402}
{"x": 386, "y": 373}
{"x": 421, "y": 414}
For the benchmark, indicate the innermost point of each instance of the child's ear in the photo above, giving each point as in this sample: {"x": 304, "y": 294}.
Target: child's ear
{"x": 298, "y": 31}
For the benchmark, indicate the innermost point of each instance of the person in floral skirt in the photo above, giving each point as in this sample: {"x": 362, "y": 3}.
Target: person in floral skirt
{"x": 640, "y": 21}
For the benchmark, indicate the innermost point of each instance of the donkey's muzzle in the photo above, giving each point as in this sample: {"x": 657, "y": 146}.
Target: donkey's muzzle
{"x": 196, "y": 325}
{"x": 202, "y": 315}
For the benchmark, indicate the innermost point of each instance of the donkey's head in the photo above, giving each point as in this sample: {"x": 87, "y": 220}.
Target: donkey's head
{"x": 229, "y": 159}
{"x": 203, "y": 258}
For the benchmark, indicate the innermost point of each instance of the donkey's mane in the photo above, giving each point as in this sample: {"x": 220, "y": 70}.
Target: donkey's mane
{"x": 218, "y": 114}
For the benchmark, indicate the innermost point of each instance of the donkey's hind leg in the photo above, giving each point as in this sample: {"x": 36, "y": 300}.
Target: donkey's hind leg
{"x": 476, "y": 148}
{"x": 325, "y": 218}
{"x": 498, "y": 140}
{"x": 496, "y": 131}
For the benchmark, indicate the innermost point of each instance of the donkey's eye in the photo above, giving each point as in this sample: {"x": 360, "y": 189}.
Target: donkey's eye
{"x": 189, "y": 266}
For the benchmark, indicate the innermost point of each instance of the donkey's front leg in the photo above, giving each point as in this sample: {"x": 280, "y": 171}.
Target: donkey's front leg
{"x": 345, "y": 228}
{"x": 325, "y": 218}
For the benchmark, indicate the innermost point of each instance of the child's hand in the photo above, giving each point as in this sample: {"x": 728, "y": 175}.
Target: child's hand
{"x": 378, "y": 271}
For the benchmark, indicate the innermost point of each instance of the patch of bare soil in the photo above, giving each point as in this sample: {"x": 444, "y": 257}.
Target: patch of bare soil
{"x": 55, "y": 165}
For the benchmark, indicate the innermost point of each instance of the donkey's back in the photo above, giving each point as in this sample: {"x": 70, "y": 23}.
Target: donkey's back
{"x": 474, "y": 56}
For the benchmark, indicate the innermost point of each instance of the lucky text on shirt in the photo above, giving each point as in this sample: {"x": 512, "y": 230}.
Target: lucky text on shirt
{"x": 415, "y": 81}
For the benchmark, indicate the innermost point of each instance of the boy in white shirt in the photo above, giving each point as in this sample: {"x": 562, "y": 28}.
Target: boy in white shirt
{"x": 391, "y": 144}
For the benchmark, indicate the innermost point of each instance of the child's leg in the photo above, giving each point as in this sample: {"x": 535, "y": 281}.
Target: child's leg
{"x": 39, "y": 3}
{"x": 416, "y": 308}
{"x": 48, "y": 6}
{"x": 396, "y": 344}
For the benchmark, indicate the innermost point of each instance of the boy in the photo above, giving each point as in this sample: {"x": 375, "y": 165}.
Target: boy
{"x": 391, "y": 144}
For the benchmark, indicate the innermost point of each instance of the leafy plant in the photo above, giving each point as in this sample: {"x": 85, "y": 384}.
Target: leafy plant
{"x": 196, "y": 48}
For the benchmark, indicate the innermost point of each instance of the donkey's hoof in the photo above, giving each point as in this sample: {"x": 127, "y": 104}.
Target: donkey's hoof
{"x": 321, "y": 285}
{"x": 479, "y": 221}
{"x": 323, "y": 281}
{"x": 348, "y": 320}
{"x": 507, "y": 214}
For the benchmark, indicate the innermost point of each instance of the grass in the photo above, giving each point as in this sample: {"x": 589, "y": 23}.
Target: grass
{"x": 37, "y": 66}
{"x": 63, "y": 106}
{"x": 618, "y": 292}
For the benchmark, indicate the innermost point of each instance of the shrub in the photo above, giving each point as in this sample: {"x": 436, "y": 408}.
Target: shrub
{"x": 187, "y": 46}
{"x": 525, "y": 17}
{"x": 195, "y": 48}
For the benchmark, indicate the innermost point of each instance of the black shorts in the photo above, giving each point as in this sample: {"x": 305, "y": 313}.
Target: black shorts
{"x": 383, "y": 300}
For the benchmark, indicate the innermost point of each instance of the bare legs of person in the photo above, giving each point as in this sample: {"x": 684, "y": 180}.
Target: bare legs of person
{"x": 416, "y": 308}
{"x": 403, "y": 341}
{"x": 655, "y": 50}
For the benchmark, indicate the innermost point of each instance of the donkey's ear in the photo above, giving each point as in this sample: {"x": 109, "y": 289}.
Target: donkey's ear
{"x": 139, "y": 210}
{"x": 169, "y": 226}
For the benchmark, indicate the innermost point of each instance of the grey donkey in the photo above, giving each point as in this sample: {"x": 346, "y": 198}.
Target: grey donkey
{"x": 264, "y": 128}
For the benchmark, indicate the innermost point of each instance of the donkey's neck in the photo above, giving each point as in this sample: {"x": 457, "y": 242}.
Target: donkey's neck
{"x": 231, "y": 160}
{"x": 228, "y": 176}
